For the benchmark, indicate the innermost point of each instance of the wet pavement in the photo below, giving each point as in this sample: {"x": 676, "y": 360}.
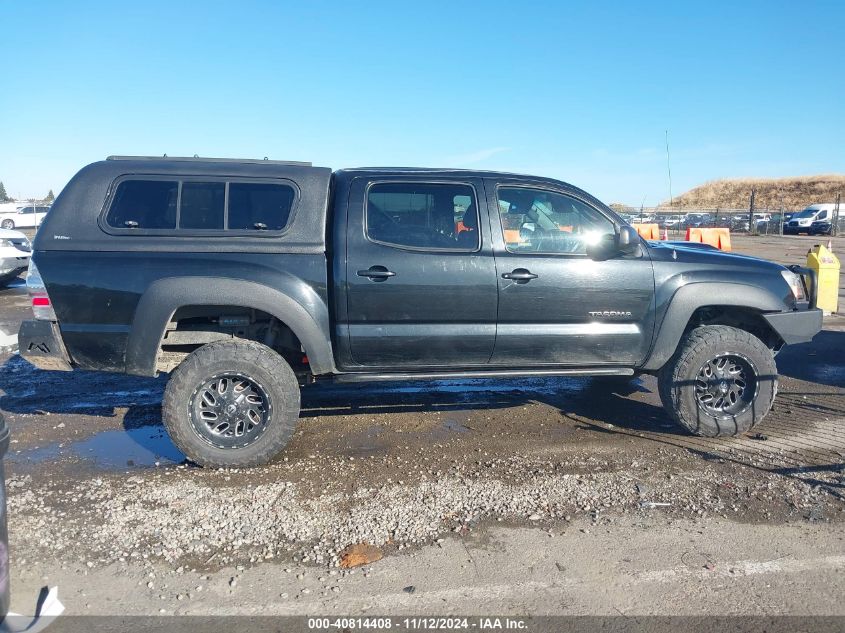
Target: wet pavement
{"x": 89, "y": 421}
{"x": 119, "y": 449}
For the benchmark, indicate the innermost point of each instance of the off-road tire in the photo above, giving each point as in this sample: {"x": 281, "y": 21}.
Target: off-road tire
{"x": 258, "y": 363}
{"x": 677, "y": 379}
{"x": 7, "y": 224}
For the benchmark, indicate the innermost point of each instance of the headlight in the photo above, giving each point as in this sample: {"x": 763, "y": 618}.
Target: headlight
{"x": 796, "y": 284}
{"x": 4, "y": 243}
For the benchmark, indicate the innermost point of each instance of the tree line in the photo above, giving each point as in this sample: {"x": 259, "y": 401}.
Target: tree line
{"x": 4, "y": 197}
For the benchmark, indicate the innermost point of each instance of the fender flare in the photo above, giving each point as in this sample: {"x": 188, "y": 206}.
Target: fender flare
{"x": 164, "y": 296}
{"x": 689, "y": 298}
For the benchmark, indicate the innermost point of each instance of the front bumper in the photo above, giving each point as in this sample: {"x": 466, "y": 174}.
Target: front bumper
{"x": 799, "y": 326}
{"x": 802, "y": 324}
{"x": 797, "y": 229}
{"x": 40, "y": 342}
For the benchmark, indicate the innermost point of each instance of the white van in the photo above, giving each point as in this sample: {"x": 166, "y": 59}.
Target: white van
{"x": 803, "y": 220}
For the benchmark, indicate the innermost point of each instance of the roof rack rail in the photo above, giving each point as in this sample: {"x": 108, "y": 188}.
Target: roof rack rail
{"x": 254, "y": 161}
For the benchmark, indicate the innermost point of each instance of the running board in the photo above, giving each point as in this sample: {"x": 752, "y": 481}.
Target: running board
{"x": 458, "y": 375}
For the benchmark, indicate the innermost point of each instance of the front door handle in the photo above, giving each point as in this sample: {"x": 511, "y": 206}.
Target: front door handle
{"x": 377, "y": 273}
{"x": 520, "y": 275}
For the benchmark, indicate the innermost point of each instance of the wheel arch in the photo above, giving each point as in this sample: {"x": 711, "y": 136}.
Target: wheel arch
{"x": 305, "y": 314}
{"x": 739, "y": 305}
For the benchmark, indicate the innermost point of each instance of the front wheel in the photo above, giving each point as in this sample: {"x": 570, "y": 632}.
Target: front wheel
{"x": 8, "y": 224}
{"x": 231, "y": 404}
{"x": 721, "y": 381}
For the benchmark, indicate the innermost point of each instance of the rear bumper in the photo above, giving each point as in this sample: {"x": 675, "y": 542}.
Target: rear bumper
{"x": 799, "y": 326}
{"x": 40, "y": 342}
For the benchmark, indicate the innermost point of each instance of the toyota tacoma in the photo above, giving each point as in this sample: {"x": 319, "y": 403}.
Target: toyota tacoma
{"x": 249, "y": 279}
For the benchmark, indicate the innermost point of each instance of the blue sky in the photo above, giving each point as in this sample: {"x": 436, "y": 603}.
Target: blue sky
{"x": 580, "y": 92}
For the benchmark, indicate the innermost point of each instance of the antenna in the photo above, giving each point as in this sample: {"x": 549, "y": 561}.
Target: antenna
{"x": 669, "y": 171}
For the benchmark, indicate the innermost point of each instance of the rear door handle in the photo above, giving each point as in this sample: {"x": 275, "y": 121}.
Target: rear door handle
{"x": 377, "y": 273}
{"x": 520, "y": 274}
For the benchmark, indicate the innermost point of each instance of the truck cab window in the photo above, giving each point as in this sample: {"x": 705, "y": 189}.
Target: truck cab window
{"x": 541, "y": 221}
{"x": 423, "y": 215}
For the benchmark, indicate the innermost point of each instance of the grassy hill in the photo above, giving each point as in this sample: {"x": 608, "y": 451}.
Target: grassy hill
{"x": 792, "y": 193}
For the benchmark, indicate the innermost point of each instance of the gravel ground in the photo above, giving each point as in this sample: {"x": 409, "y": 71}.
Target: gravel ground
{"x": 189, "y": 518}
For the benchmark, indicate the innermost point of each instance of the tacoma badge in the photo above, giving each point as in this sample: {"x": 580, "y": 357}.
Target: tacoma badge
{"x": 609, "y": 313}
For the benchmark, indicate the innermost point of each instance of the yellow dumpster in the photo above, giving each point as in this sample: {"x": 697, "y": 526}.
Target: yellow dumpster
{"x": 826, "y": 265}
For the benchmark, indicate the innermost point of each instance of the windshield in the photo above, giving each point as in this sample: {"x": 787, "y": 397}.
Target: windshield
{"x": 806, "y": 213}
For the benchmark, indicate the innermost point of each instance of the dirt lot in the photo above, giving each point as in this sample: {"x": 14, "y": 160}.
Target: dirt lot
{"x": 556, "y": 496}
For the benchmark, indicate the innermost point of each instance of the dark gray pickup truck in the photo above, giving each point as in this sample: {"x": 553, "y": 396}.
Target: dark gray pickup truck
{"x": 249, "y": 278}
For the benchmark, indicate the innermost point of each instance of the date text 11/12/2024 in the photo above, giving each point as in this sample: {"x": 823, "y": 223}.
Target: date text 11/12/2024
{"x": 418, "y": 623}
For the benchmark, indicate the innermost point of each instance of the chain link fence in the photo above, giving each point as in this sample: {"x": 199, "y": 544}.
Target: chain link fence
{"x": 676, "y": 221}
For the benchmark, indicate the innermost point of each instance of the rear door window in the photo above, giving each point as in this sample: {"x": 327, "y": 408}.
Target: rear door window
{"x": 425, "y": 216}
{"x": 144, "y": 204}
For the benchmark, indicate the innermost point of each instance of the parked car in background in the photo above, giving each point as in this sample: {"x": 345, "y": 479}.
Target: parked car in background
{"x": 772, "y": 225}
{"x": 14, "y": 255}
{"x": 696, "y": 220}
{"x": 825, "y": 227}
{"x": 723, "y": 221}
{"x": 25, "y": 217}
{"x": 670, "y": 221}
{"x": 739, "y": 223}
{"x": 803, "y": 221}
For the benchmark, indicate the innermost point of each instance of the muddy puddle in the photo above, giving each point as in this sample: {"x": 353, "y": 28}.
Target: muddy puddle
{"x": 116, "y": 449}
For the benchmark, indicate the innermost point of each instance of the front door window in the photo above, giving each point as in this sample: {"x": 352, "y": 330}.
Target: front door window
{"x": 540, "y": 221}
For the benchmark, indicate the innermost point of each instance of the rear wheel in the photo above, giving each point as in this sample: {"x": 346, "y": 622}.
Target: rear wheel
{"x": 231, "y": 404}
{"x": 721, "y": 381}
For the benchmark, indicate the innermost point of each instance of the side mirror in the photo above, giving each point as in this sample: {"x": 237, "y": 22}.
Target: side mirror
{"x": 629, "y": 239}
{"x": 612, "y": 244}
